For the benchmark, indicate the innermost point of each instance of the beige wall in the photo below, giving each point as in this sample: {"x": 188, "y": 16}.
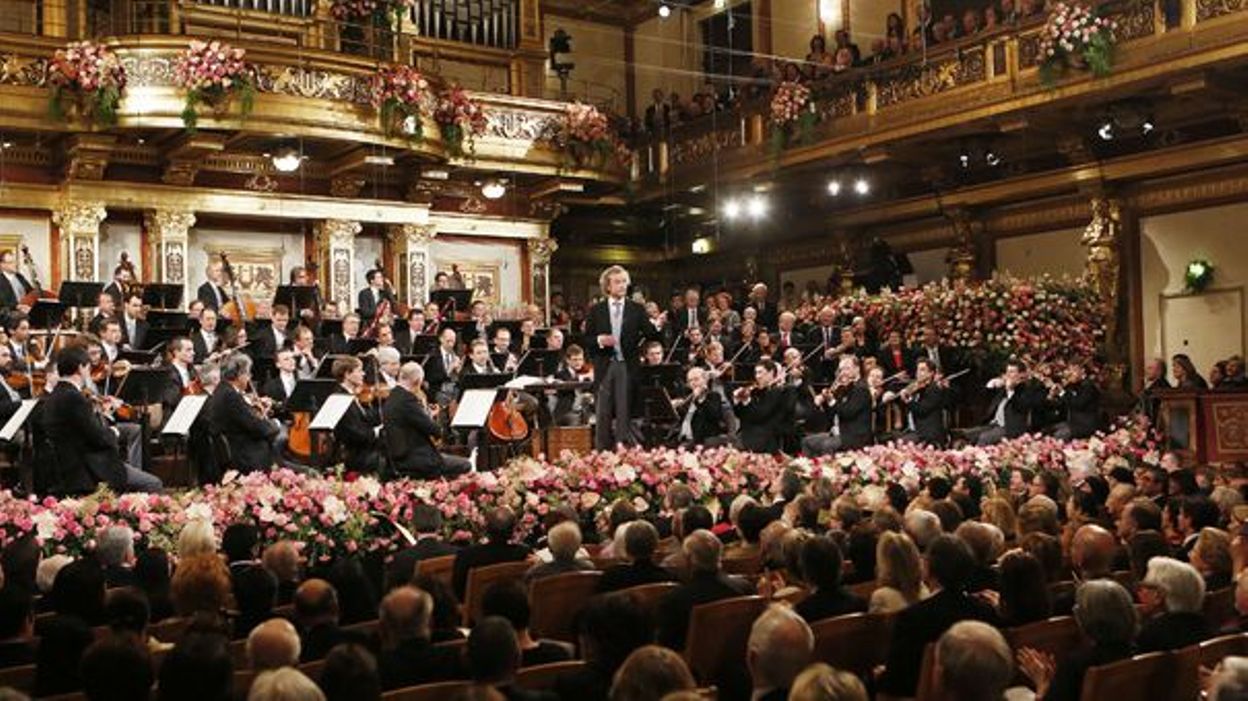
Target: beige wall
{"x": 598, "y": 52}
{"x": 793, "y": 23}
{"x": 1211, "y": 324}
{"x": 668, "y": 56}
{"x": 867, "y": 19}
{"x": 33, "y": 231}
{"x": 1054, "y": 253}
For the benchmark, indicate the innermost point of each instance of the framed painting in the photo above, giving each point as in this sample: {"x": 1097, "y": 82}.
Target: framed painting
{"x": 484, "y": 279}
{"x": 257, "y": 271}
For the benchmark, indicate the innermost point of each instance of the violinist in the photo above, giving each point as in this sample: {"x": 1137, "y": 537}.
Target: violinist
{"x": 1081, "y": 400}
{"x": 411, "y": 425}
{"x": 385, "y": 338}
{"x": 133, "y": 325}
{"x": 572, "y": 407}
{"x": 501, "y": 352}
{"x": 305, "y": 352}
{"x": 523, "y": 342}
{"x": 1009, "y": 410}
{"x": 105, "y": 309}
{"x": 847, "y": 406}
{"x": 480, "y": 318}
{"x": 356, "y": 433}
{"x": 747, "y": 342}
{"x": 282, "y": 384}
{"x": 180, "y": 360}
{"x": 760, "y": 409}
{"x": 206, "y": 340}
{"x": 444, "y": 367}
{"x": 110, "y": 340}
{"x": 703, "y": 410}
{"x": 405, "y": 336}
{"x": 479, "y": 362}
{"x": 371, "y": 297}
{"x": 23, "y": 349}
{"x": 248, "y": 432}
{"x": 10, "y": 398}
{"x": 388, "y": 362}
{"x": 102, "y": 382}
{"x": 15, "y": 285}
{"x": 340, "y": 342}
{"x": 925, "y": 400}
{"x": 718, "y": 370}
{"x": 799, "y": 397}
{"x": 691, "y": 351}
{"x": 554, "y": 340}
{"x": 715, "y": 331}
{"x": 211, "y": 293}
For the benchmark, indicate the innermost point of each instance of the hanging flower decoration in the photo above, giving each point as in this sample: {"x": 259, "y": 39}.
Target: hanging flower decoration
{"x": 792, "y": 115}
{"x": 460, "y": 119}
{"x": 1075, "y": 36}
{"x": 211, "y": 73}
{"x": 586, "y": 138}
{"x": 1198, "y": 275}
{"x": 400, "y": 95}
{"x": 92, "y": 76}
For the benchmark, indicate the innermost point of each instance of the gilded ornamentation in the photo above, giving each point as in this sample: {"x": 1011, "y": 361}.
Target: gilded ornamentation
{"x": 79, "y": 219}
{"x": 961, "y": 258}
{"x": 336, "y": 239}
{"x": 1230, "y": 425}
{"x": 473, "y": 205}
{"x": 546, "y": 208}
{"x": 1138, "y": 20}
{"x": 23, "y": 70}
{"x": 168, "y": 230}
{"x": 1209, "y": 9}
{"x": 842, "y": 101}
{"x": 412, "y": 241}
{"x": 175, "y": 263}
{"x": 181, "y": 171}
{"x": 1029, "y": 50}
{"x": 1102, "y": 237}
{"x": 84, "y": 258}
{"x": 260, "y": 182}
{"x": 703, "y": 145}
{"x": 346, "y": 186}
{"x": 541, "y": 250}
{"x": 914, "y": 81}
{"x": 417, "y": 286}
{"x": 517, "y": 124}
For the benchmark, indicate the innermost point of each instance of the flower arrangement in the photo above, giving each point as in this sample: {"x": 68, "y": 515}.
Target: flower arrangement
{"x": 585, "y": 136}
{"x": 1198, "y": 275}
{"x": 792, "y": 114}
{"x": 334, "y": 516}
{"x": 401, "y": 94}
{"x": 211, "y": 73}
{"x": 92, "y": 75}
{"x": 1074, "y": 35}
{"x": 460, "y": 118}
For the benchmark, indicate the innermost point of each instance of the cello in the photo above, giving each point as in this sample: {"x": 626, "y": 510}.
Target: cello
{"x": 505, "y": 421}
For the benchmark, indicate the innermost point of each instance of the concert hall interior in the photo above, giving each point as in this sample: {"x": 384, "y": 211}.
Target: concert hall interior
{"x": 628, "y": 350}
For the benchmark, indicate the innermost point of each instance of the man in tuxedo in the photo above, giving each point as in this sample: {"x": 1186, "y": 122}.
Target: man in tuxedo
{"x": 411, "y": 425}
{"x": 181, "y": 364}
{"x": 443, "y": 368}
{"x": 707, "y": 583}
{"x": 760, "y": 410}
{"x": 250, "y": 437}
{"x": 1154, "y": 380}
{"x": 357, "y": 430}
{"x": 10, "y": 399}
{"x": 105, "y": 309}
{"x": 500, "y": 527}
{"x": 20, "y": 344}
{"x": 372, "y": 296}
{"x": 787, "y": 335}
{"x": 206, "y": 340}
{"x": 85, "y": 449}
{"x": 849, "y": 408}
{"x": 1081, "y": 399}
{"x": 943, "y": 358}
{"x": 925, "y": 407}
{"x": 273, "y": 337}
{"x": 282, "y": 384}
{"x": 14, "y": 286}
{"x": 1010, "y": 409}
{"x": 406, "y": 655}
{"x": 133, "y": 327}
{"x": 340, "y": 342}
{"x": 116, "y": 288}
{"x": 614, "y": 329}
{"x": 689, "y": 316}
{"x": 427, "y": 529}
{"x": 211, "y": 293}
{"x": 768, "y": 314}
{"x": 703, "y": 411}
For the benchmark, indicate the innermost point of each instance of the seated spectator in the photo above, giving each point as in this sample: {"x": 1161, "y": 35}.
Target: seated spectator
{"x": 986, "y": 544}
{"x": 1092, "y": 552}
{"x": 407, "y": 657}
{"x": 820, "y": 682}
{"x": 510, "y": 600}
{"x": 620, "y": 513}
{"x": 316, "y": 617}
{"x": 899, "y": 570}
{"x": 706, "y": 584}
{"x": 152, "y": 575}
{"x": 609, "y": 628}
{"x": 128, "y": 614}
{"x": 255, "y": 594}
{"x": 427, "y": 528}
{"x": 1240, "y": 624}
{"x": 818, "y": 60}
{"x": 1196, "y": 513}
{"x": 117, "y": 669}
{"x": 1229, "y": 681}
{"x": 1142, "y": 548}
{"x": 1024, "y": 594}
{"x": 45, "y": 577}
{"x": 971, "y": 23}
{"x": 20, "y": 561}
{"x": 949, "y": 565}
{"x": 922, "y": 526}
{"x": 199, "y": 668}
{"x": 641, "y": 539}
{"x": 843, "y": 42}
{"x": 196, "y": 538}
{"x": 273, "y": 644}
{"x": 447, "y": 615}
{"x": 493, "y": 656}
{"x": 1211, "y": 557}
{"x": 201, "y": 584}
{"x": 1172, "y": 595}
{"x": 17, "y": 627}
{"x": 284, "y": 685}
{"x": 115, "y": 551}
{"x": 357, "y": 598}
{"x": 350, "y": 674}
{"x": 78, "y": 592}
{"x": 564, "y": 542}
{"x": 651, "y": 672}
{"x": 821, "y": 565}
{"x": 1107, "y": 618}
{"x": 694, "y": 518}
{"x": 973, "y": 662}
{"x": 281, "y": 559}
{"x": 779, "y": 647}
{"x": 62, "y": 641}
{"x": 500, "y": 526}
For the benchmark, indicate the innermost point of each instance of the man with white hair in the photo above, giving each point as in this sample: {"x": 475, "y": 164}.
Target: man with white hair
{"x": 410, "y": 427}
{"x": 273, "y": 644}
{"x": 922, "y": 526}
{"x": 703, "y": 410}
{"x": 973, "y": 662}
{"x": 779, "y": 648}
{"x": 847, "y": 405}
{"x": 388, "y": 360}
{"x": 564, "y": 541}
{"x": 115, "y": 550}
{"x": 284, "y": 685}
{"x": 1230, "y": 680}
{"x": 707, "y": 583}
{"x": 1173, "y": 594}
{"x": 614, "y": 329}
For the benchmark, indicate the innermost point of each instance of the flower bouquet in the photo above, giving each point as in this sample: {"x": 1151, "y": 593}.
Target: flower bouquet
{"x": 1075, "y": 36}
{"x": 400, "y": 95}
{"x": 460, "y": 119}
{"x": 585, "y": 136}
{"x": 792, "y": 115}
{"x": 211, "y": 73}
{"x": 92, "y": 76}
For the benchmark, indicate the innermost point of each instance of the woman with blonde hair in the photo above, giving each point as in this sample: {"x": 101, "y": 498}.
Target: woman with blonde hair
{"x": 820, "y": 682}
{"x": 899, "y": 573}
{"x": 1000, "y": 513}
{"x": 197, "y": 538}
{"x": 1211, "y": 556}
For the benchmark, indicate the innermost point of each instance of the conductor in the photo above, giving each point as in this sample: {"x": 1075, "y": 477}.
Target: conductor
{"x": 615, "y": 328}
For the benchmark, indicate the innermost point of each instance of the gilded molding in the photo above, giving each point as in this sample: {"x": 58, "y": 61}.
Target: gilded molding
{"x": 1210, "y": 9}
{"x": 541, "y": 250}
{"x": 914, "y": 81}
{"x": 79, "y": 218}
{"x": 169, "y": 224}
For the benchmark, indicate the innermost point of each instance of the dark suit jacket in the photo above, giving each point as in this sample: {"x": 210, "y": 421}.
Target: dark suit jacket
{"x": 949, "y": 361}
{"x": 210, "y": 301}
{"x": 416, "y": 662}
{"x": 16, "y": 653}
{"x": 202, "y": 350}
{"x": 275, "y": 390}
{"x": 927, "y": 410}
{"x": 680, "y": 322}
{"x": 1017, "y": 411}
{"x": 367, "y": 306}
{"x": 702, "y": 588}
{"x": 250, "y": 437}
{"x": 1148, "y": 402}
{"x": 319, "y": 640}
{"x": 634, "y": 330}
{"x": 1083, "y": 409}
{"x": 357, "y": 439}
{"x": 889, "y": 364}
{"x": 768, "y": 314}
{"x": 7, "y": 298}
{"x": 708, "y": 417}
{"x": 402, "y": 568}
{"x": 174, "y": 389}
{"x": 436, "y": 372}
{"x": 853, "y": 410}
{"x": 1171, "y": 631}
{"x": 823, "y": 604}
{"x": 265, "y": 342}
{"x": 761, "y": 421}
{"x": 1067, "y": 683}
{"x": 632, "y": 575}
{"x": 409, "y": 433}
{"x": 140, "y": 333}
{"x": 920, "y": 624}
{"x": 796, "y": 338}
{"x": 86, "y": 449}
{"x": 481, "y": 556}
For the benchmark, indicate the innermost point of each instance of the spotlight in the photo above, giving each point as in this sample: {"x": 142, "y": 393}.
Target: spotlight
{"x": 720, "y": 4}
{"x": 1106, "y": 131}
{"x": 965, "y": 160}
{"x": 664, "y": 11}
{"x": 732, "y": 209}
{"x": 834, "y": 188}
{"x": 493, "y": 189}
{"x": 861, "y": 186}
{"x": 1147, "y": 127}
{"x": 286, "y": 160}
{"x": 992, "y": 159}
{"x": 757, "y": 207}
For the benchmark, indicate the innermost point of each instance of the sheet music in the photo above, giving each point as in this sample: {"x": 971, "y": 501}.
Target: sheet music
{"x": 331, "y": 412}
{"x": 179, "y": 423}
{"x": 474, "y": 408}
{"x": 523, "y": 382}
{"x": 17, "y": 419}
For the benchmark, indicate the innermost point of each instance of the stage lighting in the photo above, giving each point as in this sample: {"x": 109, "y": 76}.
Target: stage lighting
{"x": 834, "y": 188}
{"x": 732, "y": 209}
{"x": 493, "y": 189}
{"x": 664, "y": 11}
{"x": 965, "y": 160}
{"x": 286, "y": 160}
{"x": 757, "y": 207}
{"x": 992, "y": 159}
{"x": 861, "y": 186}
{"x": 1147, "y": 127}
{"x": 1106, "y": 131}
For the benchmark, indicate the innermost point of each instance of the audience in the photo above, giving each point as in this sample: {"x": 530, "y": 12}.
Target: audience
{"x": 407, "y": 656}
{"x": 427, "y": 529}
{"x": 273, "y": 644}
{"x": 1172, "y": 597}
{"x": 821, "y": 565}
{"x": 284, "y": 684}
{"x": 350, "y": 674}
{"x": 973, "y": 662}
{"x": 641, "y": 540}
{"x": 899, "y": 569}
{"x": 609, "y": 628}
{"x": 510, "y": 601}
{"x": 493, "y": 656}
{"x": 820, "y": 682}
{"x": 281, "y": 559}
{"x": 316, "y": 616}
{"x": 199, "y": 668}
{"x": 115, "y": 550}
{"x": 779, "y": 648}
{"x": 706, "y": 583}
{"x": 564, "y": 541}
{"x": 500, "y": 526}
{"x": 116, "y": 668}
{"x": 651, "y": 672}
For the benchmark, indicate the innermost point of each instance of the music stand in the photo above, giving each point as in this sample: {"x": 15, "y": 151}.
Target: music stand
{"x": 141, "y": 387}
{"x": 330, "y": 327}
{"x": 424, "y": 344}
{"x": 80, "y": 294}
{"x": 465, "y": 331}
{"x": 541, "y": 363}
{"x": 657, "y": 411}
{"x": 491, "y": 381}
{"x": 297, "y": 298}
{"x": 664, "y": 376}
{"x": 308, "y": 396}
{"x": 137, "y": 357}
{"x": 357, "y": 346}
{"x": 451, "y": 301}
{"x": 162, "y": 295}
{"x": 47, "y": 314}
{"x": 326, "y": 368}
{"x": 162, "y": 336}
{"x": 262, "y": 369}
{"x": 499, "y": 359}
{"x": 167, "y": 319}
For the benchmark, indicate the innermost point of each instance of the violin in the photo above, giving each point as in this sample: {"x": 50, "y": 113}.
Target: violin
{"x": 373, "y": 393}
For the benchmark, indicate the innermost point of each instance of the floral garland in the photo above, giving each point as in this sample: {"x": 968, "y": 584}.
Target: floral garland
{"x": 211, "y": 73}
{"x": 460, "y": 119}
{"x": 586, "y": 138}
{"x": 92, "y": 75}
{"x": 336, "y": 517}
{"x": 401, "y": 94}
{"x": 792, "y": 115}
{"x": 1074, "y": 35}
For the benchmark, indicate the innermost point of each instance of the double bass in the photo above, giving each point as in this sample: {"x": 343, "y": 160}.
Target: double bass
{"x": 240, "y": 308}
{"x": 37, "y": 293}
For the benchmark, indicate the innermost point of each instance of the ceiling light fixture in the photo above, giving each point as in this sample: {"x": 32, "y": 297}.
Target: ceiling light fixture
{"x": 664, "y": 10}
{"x": 493, "y": 189}
{"x": 757, "y": 207}
{"x": 992, "y": 159}
{"x": 1106, "y": 131}
{"x": 732, "y": 209}
{"x": 834, "y": 188}
{"x": 286, "y": 160}
{"x": 861, "y": 186}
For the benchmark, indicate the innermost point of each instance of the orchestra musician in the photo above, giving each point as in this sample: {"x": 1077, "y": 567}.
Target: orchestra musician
{"x": 133, "y": 326}
{"x": 24, "y": 349}
{"x": 274, "y": 336}
{"x": 942, "y": 357}
{"x": 690, "y": 315}
{"x": 925, "y": 401}
{"x": 180, "y": 354}
{"x": 305, "y": 352}
{"x": 245, "y": 428}
{"x": 847, "y": 406}
{"x": 759, "y": 408}
{"x": 571, "y": 407}
{"x": 10, "y": 399}
{"x": 211, "y": 293}
{"x": 388, "y": 362}
{"x": 411, "y": 426}
{"x": 691, "y": 350}
{"x": 444, "y": 367}
{"x": 702, "y": 418}
{"x": 895, "y": 360}
{"x": 524, "y": 341}
{"x": 340, "y": 342}
{"x": 371, "y": 297}
{"x": 787, "y": 335}
{"x": 1081, "y": 400}
{"x": 502, "y": 349}
{"x": 1009, "y": 411}
{"x": 480, "y": 318}
{"x": 747, "y": 342}
{"x": 85, "y": 449}
{"x": 615, "y": 327}
{"x": 110, "y": 340}
{"x": 356, "y": 433}
{"x": 554, "y": 340}
{"x": 15, "y": 285}
{"x": 279, "y": 387}
{"x": 405, "y": 335}
{"x": 199, "y": 438}
{"x": 206, "y": 340}
{"x": 105, "y": 309}
{"x": 766, "y": 313}
{"x": 120, "y": 284}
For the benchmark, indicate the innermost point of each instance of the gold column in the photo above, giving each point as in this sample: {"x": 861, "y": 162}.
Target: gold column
{"x": 962, "y": 256}
{"x": 411, "y": 244}
{"x": 1102, "y": 270}
{"x": 528, "y": 63}
{"x": 168, "y": 233}
{"x": 540, "y": 252}
{"x": 79, "y": 223}
{"x": 335, "y": 246}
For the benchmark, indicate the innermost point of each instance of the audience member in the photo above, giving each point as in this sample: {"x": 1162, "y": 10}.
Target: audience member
{"x": 564, "y": 542}
{"x": 821, "y": 565}
{"x": 779, "y": 648}
{"x": 973, "y": 662}
{"x": 201, "y": 584}
{"x": 273, "y": 644}
{"x": 899, "y": 568}
{"x": 407, "y": 657}
{"x": 152, "y": 575}
{"x": 610, "y": 627}
{"x": 493, "y": 656}
{"x": 116, "y": 668}
{"x": 281, "y": 559}
{"x": 350, "y": 674}
{"x": 641, "y": 540}
{"x": 510, "y": 600}
{"x": 427, "y": 529}
{"x": 500, "y": 526}
{"x": 1172, "y": 595}
{"x": 820, "y": 682}
{"x": 284, "y": 684}
{"x": 316, "y": 616}
{"x": 707, "y": 583}
{"x": 115, "y": 550}
{"x": 199, "y": 668}
{"x": 649, "y": 673}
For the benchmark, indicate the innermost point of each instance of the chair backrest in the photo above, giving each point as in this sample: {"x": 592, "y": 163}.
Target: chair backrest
{"x": 482, "y": 578}
{"x": 743, "y": 565}
{"x": 1219, "y": 607}
{"x": 312, "y": 670}
{"x": 20, "y": 678}
{"x": 1157, "y": 676}
{"x": 929, "y": 685}
{"x": 428, "y": 692}
{"x": 556, "y": 601}
{"x": 238, "y": 653}
{"x": 169, "y": 630}
{"x": 717, "y": 637}
{"x": 1214, "y": 651}
{"x": 647, "y": 596}
{"x": 440, "y": 568}
{"x": 542, "y": 677}
{"x": 857, "y": 642}
{"x": 1056, "y": 635}
{"x": 863, "y": 590}
{"x": 1124, "y": 577}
